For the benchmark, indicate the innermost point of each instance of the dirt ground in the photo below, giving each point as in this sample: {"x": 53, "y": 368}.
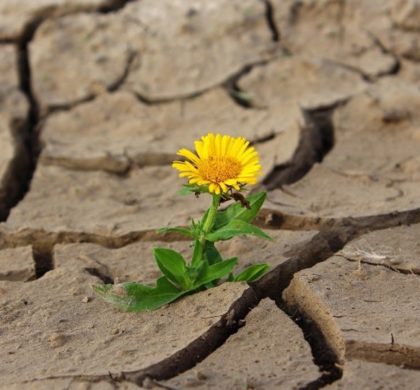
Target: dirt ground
{"x": 96, "y": 96}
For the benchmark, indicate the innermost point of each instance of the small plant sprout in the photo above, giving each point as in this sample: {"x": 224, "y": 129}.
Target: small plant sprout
{"x": 222, "y": 166}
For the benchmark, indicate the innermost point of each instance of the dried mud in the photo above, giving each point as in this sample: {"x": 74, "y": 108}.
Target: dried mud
{"x": 95, "y": 99}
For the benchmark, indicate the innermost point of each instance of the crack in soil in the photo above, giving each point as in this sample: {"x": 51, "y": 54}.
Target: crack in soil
{"x": 321, "y": 247}
{"x": 236, "y": 93}
{"x": 369, "y": 78}
{"x": 392, "y": 353}
{"x": 276, "y": 219}
{"x": 372, "y": 78}
{"x": 14, "y": 181}
{"x": 114, "y": 87}
{"x": 385, "y": 50}
{"x": 43, "y": 259}
{"x": 26, "y": 133}
{"x": 188, "y": 357}
{"x": 271, "y": 22}
{"x": 316, "y": 141}
{"x": 361, "y": 260}
{"x": 25, "y": 136}
{"x": 46, "y": 240}
{"x": 324, "y": 245}
{"x": 267, "y": 219}
{"x": 323, "y": 355}
{"x": 104, "y": 276}
{"x": 56, "y": 11}
{"x": 229, "y": 83}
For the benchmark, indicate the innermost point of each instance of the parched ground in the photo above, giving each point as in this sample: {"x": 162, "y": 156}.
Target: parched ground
{"x": 96, "y": 96}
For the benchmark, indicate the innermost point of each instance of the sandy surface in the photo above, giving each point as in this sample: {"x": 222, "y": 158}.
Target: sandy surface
{"x": 97, "y": 96}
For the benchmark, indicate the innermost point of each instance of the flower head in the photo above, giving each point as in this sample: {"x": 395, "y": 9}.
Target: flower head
{"x": 220, "y": 162}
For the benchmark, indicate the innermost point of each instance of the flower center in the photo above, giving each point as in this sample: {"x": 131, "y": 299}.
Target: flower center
{"x": 219, "y": 169}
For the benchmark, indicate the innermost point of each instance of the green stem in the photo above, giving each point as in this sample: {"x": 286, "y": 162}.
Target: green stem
{"x": 208, "y": 225}
{"x": 211, "y": 216}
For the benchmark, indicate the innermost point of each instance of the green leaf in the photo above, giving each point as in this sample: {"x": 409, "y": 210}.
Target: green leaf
{"x": 173, "y": 266}
{"x": 251, "y": 273}
{"x": 211, "y": 254}
{"x": 234, "y": 228}
{"x": 216, "y": 271}
{"x": 203, "y": 219}
{"x": 237, "y": 211}
{"x": 245, "y": 97}
{"x": 139, "y": 297}
{"x": 188, "y": 189}
{"x": 185, "y": 231}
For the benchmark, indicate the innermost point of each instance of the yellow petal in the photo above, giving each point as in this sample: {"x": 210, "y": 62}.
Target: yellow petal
{"x": 201, "y": 150}
{"x": 218, "y": 145}
{"x": 189, "y": 155}
{"x": 223, "y": 186}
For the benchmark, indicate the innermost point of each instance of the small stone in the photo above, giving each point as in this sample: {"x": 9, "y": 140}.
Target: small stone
{"x": 56, "y": 340}
{"x": 147, "y": 383}
{"x": 191, "y": 381}
{"x": 86, "y": 299}
{"x": 201, "y": 375}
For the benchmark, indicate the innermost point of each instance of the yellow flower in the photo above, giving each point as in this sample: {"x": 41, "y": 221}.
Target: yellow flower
{"x": 221, "y": 162}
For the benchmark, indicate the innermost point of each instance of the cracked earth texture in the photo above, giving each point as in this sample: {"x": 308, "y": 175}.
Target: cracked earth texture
{"x": 96, "y": 97}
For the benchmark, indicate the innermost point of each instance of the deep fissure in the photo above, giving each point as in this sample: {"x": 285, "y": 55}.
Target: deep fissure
{"x": 13, "y": 183}
{"x": 323, "y": 355}
{"x": 316, "y": 141}
{"x": 44, "y": 262}
{"x": 25, "y": 139}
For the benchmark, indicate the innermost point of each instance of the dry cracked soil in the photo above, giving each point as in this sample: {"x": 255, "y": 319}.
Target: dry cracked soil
{"x": 96, "y": 96}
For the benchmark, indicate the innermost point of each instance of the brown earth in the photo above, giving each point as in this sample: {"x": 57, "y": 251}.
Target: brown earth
{"x": 95, "y": 99}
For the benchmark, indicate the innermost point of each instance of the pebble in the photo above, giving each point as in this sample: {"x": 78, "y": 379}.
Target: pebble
{"x": 56, "y": 340}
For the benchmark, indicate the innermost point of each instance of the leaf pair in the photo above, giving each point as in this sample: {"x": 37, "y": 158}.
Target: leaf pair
{"x": 237, "y": 212}
{"x": 236, "y": 220}
{"x": 190, "y": 277}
